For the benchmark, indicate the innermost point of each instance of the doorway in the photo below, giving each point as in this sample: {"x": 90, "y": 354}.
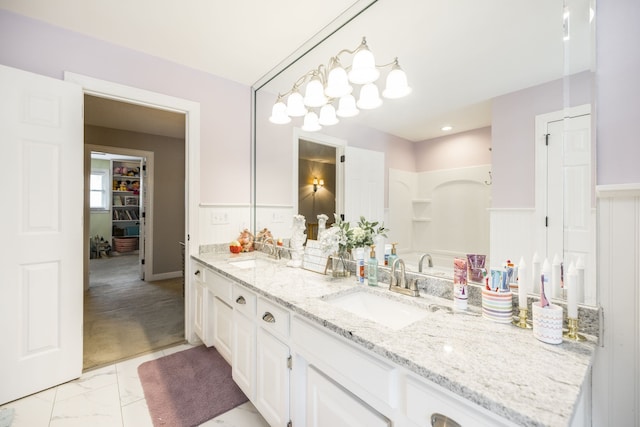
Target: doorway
{"x": 131, "y": 305}
{"x": 316, "y": 183}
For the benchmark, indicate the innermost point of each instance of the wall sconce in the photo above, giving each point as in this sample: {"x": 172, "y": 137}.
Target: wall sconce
{"x": 317, "y": 183}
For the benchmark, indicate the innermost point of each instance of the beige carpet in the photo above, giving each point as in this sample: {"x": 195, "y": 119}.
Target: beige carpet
{"x": 124, "y": 316}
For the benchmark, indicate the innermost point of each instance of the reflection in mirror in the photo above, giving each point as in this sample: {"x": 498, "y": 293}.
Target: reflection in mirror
{"x": 502, "y": 75}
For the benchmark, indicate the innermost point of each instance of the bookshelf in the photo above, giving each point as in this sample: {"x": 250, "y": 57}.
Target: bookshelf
{"x": 125, "y": 205}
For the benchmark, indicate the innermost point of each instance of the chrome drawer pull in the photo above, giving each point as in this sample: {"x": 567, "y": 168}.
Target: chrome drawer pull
{"x": 241, "y": 300}
{"x": 268, "y": 317}
{"x": 439, "y": 420}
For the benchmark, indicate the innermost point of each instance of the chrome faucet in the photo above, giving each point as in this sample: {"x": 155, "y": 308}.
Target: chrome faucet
{"x": 402, "y": 287}
{"x": 429, "y": 263}
{"x": 272, "y": 247}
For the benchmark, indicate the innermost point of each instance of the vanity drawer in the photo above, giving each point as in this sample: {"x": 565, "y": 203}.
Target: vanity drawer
{"x": 244, "y": 301}
{"x": 366, "y": 376}
{"x": 273, "y": 318}
{"x": 221, "y": 286}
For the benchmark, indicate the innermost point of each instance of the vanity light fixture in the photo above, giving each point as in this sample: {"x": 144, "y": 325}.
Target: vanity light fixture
{"x": 331, "y": 84}
{"x": 317, "y": 183}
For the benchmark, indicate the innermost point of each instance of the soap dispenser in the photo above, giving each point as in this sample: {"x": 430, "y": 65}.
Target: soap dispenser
{"x": 372, "y": 268}
{"x": 393, "y": 255}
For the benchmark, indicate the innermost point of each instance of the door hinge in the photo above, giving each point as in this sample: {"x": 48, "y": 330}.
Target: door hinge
{"x": 546, "y": 221}
{"x": 546, "y": 139}
{"x": 144, "y": 168}
{"x": 342, "y": 158}
{"x": 289, "y": 362}
{"x": 144, "y": 214}
{"x": 342, "y": 217}
{"x": 142, "y": 261}
{"x": 289, "y": 424}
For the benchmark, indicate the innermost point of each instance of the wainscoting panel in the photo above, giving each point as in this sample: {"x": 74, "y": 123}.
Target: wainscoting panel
{"x": 616, "y": 371}
{"x": 222, "y": 223}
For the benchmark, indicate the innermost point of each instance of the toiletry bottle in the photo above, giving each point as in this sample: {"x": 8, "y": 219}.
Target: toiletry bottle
{"x": 387, "y": 252}
{"x": 393, "y": 255}
{"x": 360, "y": 265}
{"x": 372, "y": 267}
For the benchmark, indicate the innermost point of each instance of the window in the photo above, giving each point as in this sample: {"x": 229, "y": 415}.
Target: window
{"x": 99, "y": 194}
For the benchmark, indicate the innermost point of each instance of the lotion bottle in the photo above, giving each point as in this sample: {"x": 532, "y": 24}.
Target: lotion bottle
{"x": 372, "y": 268}
{"x": 393, "y": 255}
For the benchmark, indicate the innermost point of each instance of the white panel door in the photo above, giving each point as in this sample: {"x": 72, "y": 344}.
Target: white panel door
{"x": 41, "y": 224}
{"x": 571, "y": 231}
{"x": 364, "y": 185}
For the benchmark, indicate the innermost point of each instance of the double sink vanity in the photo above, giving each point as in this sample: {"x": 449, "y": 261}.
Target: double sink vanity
{"x": 310, "y": 349}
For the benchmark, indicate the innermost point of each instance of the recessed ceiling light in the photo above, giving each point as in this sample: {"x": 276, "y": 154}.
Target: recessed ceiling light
{"x": 446, "y": 128}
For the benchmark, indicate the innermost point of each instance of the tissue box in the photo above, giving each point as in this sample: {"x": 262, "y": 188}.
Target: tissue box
{"x": 547, "y": 323}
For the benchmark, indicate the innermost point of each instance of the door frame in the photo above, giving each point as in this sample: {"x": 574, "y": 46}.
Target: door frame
{"x": 191, "y": 109}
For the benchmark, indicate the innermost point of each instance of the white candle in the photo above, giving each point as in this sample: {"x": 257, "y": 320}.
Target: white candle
{"x": 580, "y": 282}
{"x": 535, "y": 274}
{"x": 523, "y": 286}
{"x": 555, "y": 290}
{"x": 572, "y": 294}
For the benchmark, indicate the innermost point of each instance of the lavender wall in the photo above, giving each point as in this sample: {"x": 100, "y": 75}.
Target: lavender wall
{"x": 513, "y": 134}
{"x": 459, "y": 150}
{"x": 618, "y": 91}
{"x": 41, "y": 48}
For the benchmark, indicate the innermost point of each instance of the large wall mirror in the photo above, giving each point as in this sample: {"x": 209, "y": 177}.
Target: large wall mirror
{"x": 513, "y": 177}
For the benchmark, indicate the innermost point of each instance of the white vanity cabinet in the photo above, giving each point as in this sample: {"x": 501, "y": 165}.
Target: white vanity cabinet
{"x": 273, "y": 361}
{"x": 243, "y": 365}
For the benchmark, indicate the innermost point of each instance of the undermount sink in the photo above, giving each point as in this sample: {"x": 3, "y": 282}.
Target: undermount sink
{"x": 385, "y": 311}
{"x": 249, "y": 262}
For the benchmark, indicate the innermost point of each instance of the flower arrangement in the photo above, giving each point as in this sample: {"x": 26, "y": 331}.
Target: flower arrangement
{"x": 341, "y": 238}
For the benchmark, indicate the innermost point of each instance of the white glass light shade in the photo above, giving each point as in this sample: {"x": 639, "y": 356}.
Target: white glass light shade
{"x": 337, "y": 83}
{"x": 295, "y": 106}
{"x": 314, "y": 94}
{"x": 369, "y": 97}
{"x": 347, "y": 107}
{"x": 311, "y": 122}
{"x": 279, "y": 114}
{"x": 363, "y": 67}
{"x": 397, "y": 86}
{"x": 328, "y": 115}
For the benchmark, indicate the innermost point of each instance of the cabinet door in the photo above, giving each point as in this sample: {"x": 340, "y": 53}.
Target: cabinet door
{"x": 272, "y": 379}
{"x": 220, "y": 324}
{"x": 244, "y": 353}
{"x": 330, "y": 405}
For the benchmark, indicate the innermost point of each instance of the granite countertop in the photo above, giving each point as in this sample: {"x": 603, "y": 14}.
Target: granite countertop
{"x": 497, "y": 366}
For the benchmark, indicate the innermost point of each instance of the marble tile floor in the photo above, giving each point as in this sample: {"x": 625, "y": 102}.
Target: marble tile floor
{"x": 111, "y": 396}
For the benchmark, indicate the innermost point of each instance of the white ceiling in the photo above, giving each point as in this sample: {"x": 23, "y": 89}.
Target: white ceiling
{"x": 457, "y": 54}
